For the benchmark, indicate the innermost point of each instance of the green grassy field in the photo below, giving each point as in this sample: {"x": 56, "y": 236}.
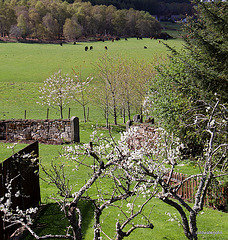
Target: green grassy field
{"x": 24, "y": 67}
{"x": 173, "y": 29}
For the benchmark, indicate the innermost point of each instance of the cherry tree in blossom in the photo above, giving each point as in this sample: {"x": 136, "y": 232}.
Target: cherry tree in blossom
{"x": 120, "y": 173}
{"x": 57, "y": 91}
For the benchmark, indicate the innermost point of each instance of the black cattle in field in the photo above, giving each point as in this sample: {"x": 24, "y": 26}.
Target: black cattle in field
{"x": 106, "y": 47}
{"x": 145, "y": 47}
{"x": 125, "y": 39}
{"x": 61, "y": 44}
{"x": 86, "y": 48}
{"x": 117, "y": 39}
{"x": 91, "y": 48}
{"x": 74, "y": 43}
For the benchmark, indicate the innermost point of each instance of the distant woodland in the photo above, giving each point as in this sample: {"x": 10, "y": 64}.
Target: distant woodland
{"x": 70, "y": 20}
{"x": 154, "y": 7}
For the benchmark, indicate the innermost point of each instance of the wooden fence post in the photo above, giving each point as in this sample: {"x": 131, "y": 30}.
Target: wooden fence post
{"x": 47, "y": 113}
{"x": 75, "y": 136}
{"x": 69, "y": 114}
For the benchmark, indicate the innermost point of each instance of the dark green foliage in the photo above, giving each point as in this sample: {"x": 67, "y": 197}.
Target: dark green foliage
{"x": 198, "y": 72}
{"x": 165, "y": 7}
{"x": 207, "y": 44}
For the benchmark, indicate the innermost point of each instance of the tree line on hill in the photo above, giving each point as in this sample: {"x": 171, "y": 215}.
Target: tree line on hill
{"x": 54, "y": 19}
{"x": 155, "y": 7}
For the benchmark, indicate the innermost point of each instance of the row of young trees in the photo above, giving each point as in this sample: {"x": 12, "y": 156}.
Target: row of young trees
{"x": 53, "y": 19}
{"x": 120, "y": 87}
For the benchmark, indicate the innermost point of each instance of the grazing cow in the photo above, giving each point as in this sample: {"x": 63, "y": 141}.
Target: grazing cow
{"x": 126, "y": 39}
{"x": 159, "y": 41}
{"x": 140, "y": 38}
{"x": 74, "y": 43}
{"x": 86, "y": 48}
{"x": 61, "y": 44}
{"x": 117, "y": 39}
{"x": 145, "y": 47}
{"x": 106, "y": 47}
{"x": 112, "y": 40}
{"x": 91, "y": 48}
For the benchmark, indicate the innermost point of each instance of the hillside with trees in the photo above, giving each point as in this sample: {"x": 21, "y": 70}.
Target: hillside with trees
{"x": 55, "y": 19}
{"x": 160, "y": 8}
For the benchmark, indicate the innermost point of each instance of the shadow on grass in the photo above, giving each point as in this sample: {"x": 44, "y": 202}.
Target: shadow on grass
{"x": 51, "y": 220}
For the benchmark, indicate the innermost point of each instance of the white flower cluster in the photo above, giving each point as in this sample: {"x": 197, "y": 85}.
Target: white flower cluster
{"x": 173, "y": 217}
{"x": 127, "y": 164}
{"x": 10, "y": 215}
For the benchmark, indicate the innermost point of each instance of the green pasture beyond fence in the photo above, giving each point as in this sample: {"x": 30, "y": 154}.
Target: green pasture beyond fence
{"x": 26, "y": 66}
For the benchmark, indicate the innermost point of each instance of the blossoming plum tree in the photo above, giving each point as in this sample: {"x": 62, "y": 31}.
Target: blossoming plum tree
{"x": 57, "y": 91}
{"x": 123, "y": 174}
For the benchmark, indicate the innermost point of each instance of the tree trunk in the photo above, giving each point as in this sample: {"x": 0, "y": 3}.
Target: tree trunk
{"x": 75, "y": 223}
{"x": 124, "y": 116}
{"x": 61, "y": 111}
{"x": 97, "y": 214}
{"x": 84, "y": 113}
{"x": 129, "y": 110}
{"x": 87, "y": 117}
{"x": 115, "y": 115}
{"x": 119, "y": 233}
{"x": 114, "y": 108}
{"x": 106, "y": 117}
{"x": 192, "y": 225}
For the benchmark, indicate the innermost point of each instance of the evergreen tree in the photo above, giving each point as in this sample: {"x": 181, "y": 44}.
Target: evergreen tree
{"x": 196, "y": 73}
{"x": 207, "y": 44}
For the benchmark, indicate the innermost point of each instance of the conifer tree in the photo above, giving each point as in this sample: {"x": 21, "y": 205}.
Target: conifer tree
{"x": 206, "y": 42}
{"x": 196, "y": 73}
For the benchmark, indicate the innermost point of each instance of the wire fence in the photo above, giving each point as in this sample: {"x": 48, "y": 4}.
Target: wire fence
{"x": 92, "y": 113}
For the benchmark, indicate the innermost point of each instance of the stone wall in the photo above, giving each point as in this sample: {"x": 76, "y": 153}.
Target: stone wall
{"x": 45, "y": 131}
{"x": 142, "y": 135}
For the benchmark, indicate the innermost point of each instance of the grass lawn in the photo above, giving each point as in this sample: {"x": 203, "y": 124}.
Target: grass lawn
{"x": 212, "y": 224}
{"x": 209, "y": 221}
